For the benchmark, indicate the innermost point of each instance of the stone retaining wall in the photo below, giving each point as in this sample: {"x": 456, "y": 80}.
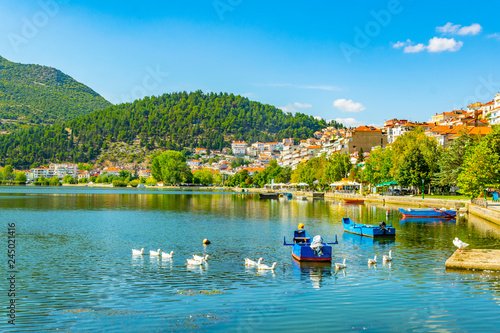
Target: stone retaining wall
{"x": 485, "y": 213}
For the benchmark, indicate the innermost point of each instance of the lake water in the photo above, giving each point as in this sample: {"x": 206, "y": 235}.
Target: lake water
{"x": 76, "y": 271}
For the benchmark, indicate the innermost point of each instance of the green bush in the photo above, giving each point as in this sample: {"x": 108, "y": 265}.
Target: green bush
{"x": 119, "y": 183}
{"x": 54, "y": 181}
{"x": 134, "y": 183}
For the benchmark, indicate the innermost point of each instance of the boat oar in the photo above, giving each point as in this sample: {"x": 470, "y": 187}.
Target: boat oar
{"x": 440, "y": 211}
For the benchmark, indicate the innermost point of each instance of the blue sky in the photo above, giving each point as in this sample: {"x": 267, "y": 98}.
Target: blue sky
{"x": 358, "y": 61}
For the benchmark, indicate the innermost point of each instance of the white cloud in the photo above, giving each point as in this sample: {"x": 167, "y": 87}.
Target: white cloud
{"x": 414, "y": 48}
{"x": 348, "y": 105}
{"x": 287, "y": 108}
{"x": 472, "y": 29}
{"x": 349, "y": 122}
{"x": 448, "y": 28}
{"x": 399, "y": 45}
{"x": 457, "y": 29}
{"x": 293, "y": 107}
{"x": 302, "y": 106}
{"x": 496, "y": 35}
{"x": 437, "y": 44}
{"x": 318, "y": 118}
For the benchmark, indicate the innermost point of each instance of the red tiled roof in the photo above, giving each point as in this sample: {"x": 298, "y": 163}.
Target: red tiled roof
{"x": 367, "y": 129}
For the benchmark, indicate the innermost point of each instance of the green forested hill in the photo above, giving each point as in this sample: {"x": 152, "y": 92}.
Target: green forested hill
{"x": 171, "y": 121}
{"x": 33, "y": 94}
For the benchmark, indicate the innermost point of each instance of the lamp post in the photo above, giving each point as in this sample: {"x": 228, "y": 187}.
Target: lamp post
{"x": 423, "y": 180}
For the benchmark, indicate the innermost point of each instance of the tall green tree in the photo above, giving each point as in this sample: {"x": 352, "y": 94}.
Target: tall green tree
{"x": 481, "y": 165}
{"x": 378, "y": 167}
{"x": 337, "y": 167}
{"x": 413, "y": 170}
{"x": 452, "y": 161}
{"x": 171, "y": 168}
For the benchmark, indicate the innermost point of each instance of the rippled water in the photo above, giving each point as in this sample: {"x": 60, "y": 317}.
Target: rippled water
{"x": 76, "y": 272}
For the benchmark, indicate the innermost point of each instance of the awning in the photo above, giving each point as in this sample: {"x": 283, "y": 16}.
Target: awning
{"x": 391, "y": 183}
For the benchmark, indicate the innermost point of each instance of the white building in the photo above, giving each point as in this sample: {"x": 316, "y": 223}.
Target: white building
{"x": 239, "y": 148}
{"x": 39, "y": 172}
{"x": 61, "y": 170}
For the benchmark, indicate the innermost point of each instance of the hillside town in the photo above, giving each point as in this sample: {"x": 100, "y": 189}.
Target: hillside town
{"x": 445, "y": 127}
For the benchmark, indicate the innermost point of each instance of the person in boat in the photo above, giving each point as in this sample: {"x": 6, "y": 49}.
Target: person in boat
{"x": 382, "y": 226}
{"x": 300, "y": 235}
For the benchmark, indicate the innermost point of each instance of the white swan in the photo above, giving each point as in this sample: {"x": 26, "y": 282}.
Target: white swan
{"x": 154, "y": 253}
{"x": 195, "y": 257}
{"x": 372, "y": 261}
{"x": 458, "y": 243}
{"x": 137, "y": 252}
{"x": 249, "y": 262}
{"x": 387, "y": 258}
{"x": 339, "y": 265}
{"x": 262, "y": 266}
{"x": 167, "y": 255}
{"x": 195, "y": 262}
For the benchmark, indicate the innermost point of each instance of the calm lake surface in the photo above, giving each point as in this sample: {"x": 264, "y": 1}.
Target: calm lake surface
{"x": 76, "y": 271}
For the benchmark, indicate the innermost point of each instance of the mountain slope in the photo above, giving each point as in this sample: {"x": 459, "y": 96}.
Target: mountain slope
{"x": 34, "y": 94}
{"x": 171, "y": 121}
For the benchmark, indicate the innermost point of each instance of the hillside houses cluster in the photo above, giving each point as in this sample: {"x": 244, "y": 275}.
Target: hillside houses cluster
{"x": 445, "y": 127}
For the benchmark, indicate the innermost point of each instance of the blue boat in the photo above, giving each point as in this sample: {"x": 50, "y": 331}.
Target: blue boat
{"x": 369, "y": 230}
{"x": 427, "y": 220}
{"x": 428, "y": 212}
{"x": 306, "y": 250}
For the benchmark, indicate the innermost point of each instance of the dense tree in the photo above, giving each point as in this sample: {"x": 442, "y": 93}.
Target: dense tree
{"x": 310, "y": 171}
{"x": 395, "y": 161}
{"x": 378, "y": 167}
{"x": 452, "y": 160}
{"x": 481, "y": 165}
{"x": 171, "y": 168}
{"x": 33, "y": 94}
{"x": 414, "y": 170}
{"x": 337, "y": 167}
{"x": 272, "y": 172}
{"x": 168, "y": 122}
{"x": 20, "y": 177}
{"x": 203, "y": 176}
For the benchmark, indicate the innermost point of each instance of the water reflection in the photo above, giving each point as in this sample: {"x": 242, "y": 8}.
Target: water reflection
{"x": 75, "y": 254}
{"x": 314, "y": 272}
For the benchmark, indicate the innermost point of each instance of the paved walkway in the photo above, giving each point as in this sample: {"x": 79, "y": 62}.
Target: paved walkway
{"x": 494, "y": 205}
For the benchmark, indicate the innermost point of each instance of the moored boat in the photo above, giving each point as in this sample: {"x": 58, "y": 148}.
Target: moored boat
{"x": 305, "y": 249}
{"x": 354, "y": 201}
{"x": 269, "y": 195}
{"x": 369, "y": 230}
{"x": 428, "y": 212}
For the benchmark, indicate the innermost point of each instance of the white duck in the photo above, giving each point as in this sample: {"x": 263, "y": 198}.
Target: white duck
{"x": 154, "y": 253}
{"x": 458, "y": 243}
{"x": 249, "y": 262}
{"x": 167, "y": 255}
{"x": 262, "y": 266}
{"x": 137, "y": 252}
{"x": 387, "y": 258}
{"x": 195, "y": 262}
{"x": 372, "y": 261}
{"x": 195, "y": 257}
{"x": 340, "y": 265}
